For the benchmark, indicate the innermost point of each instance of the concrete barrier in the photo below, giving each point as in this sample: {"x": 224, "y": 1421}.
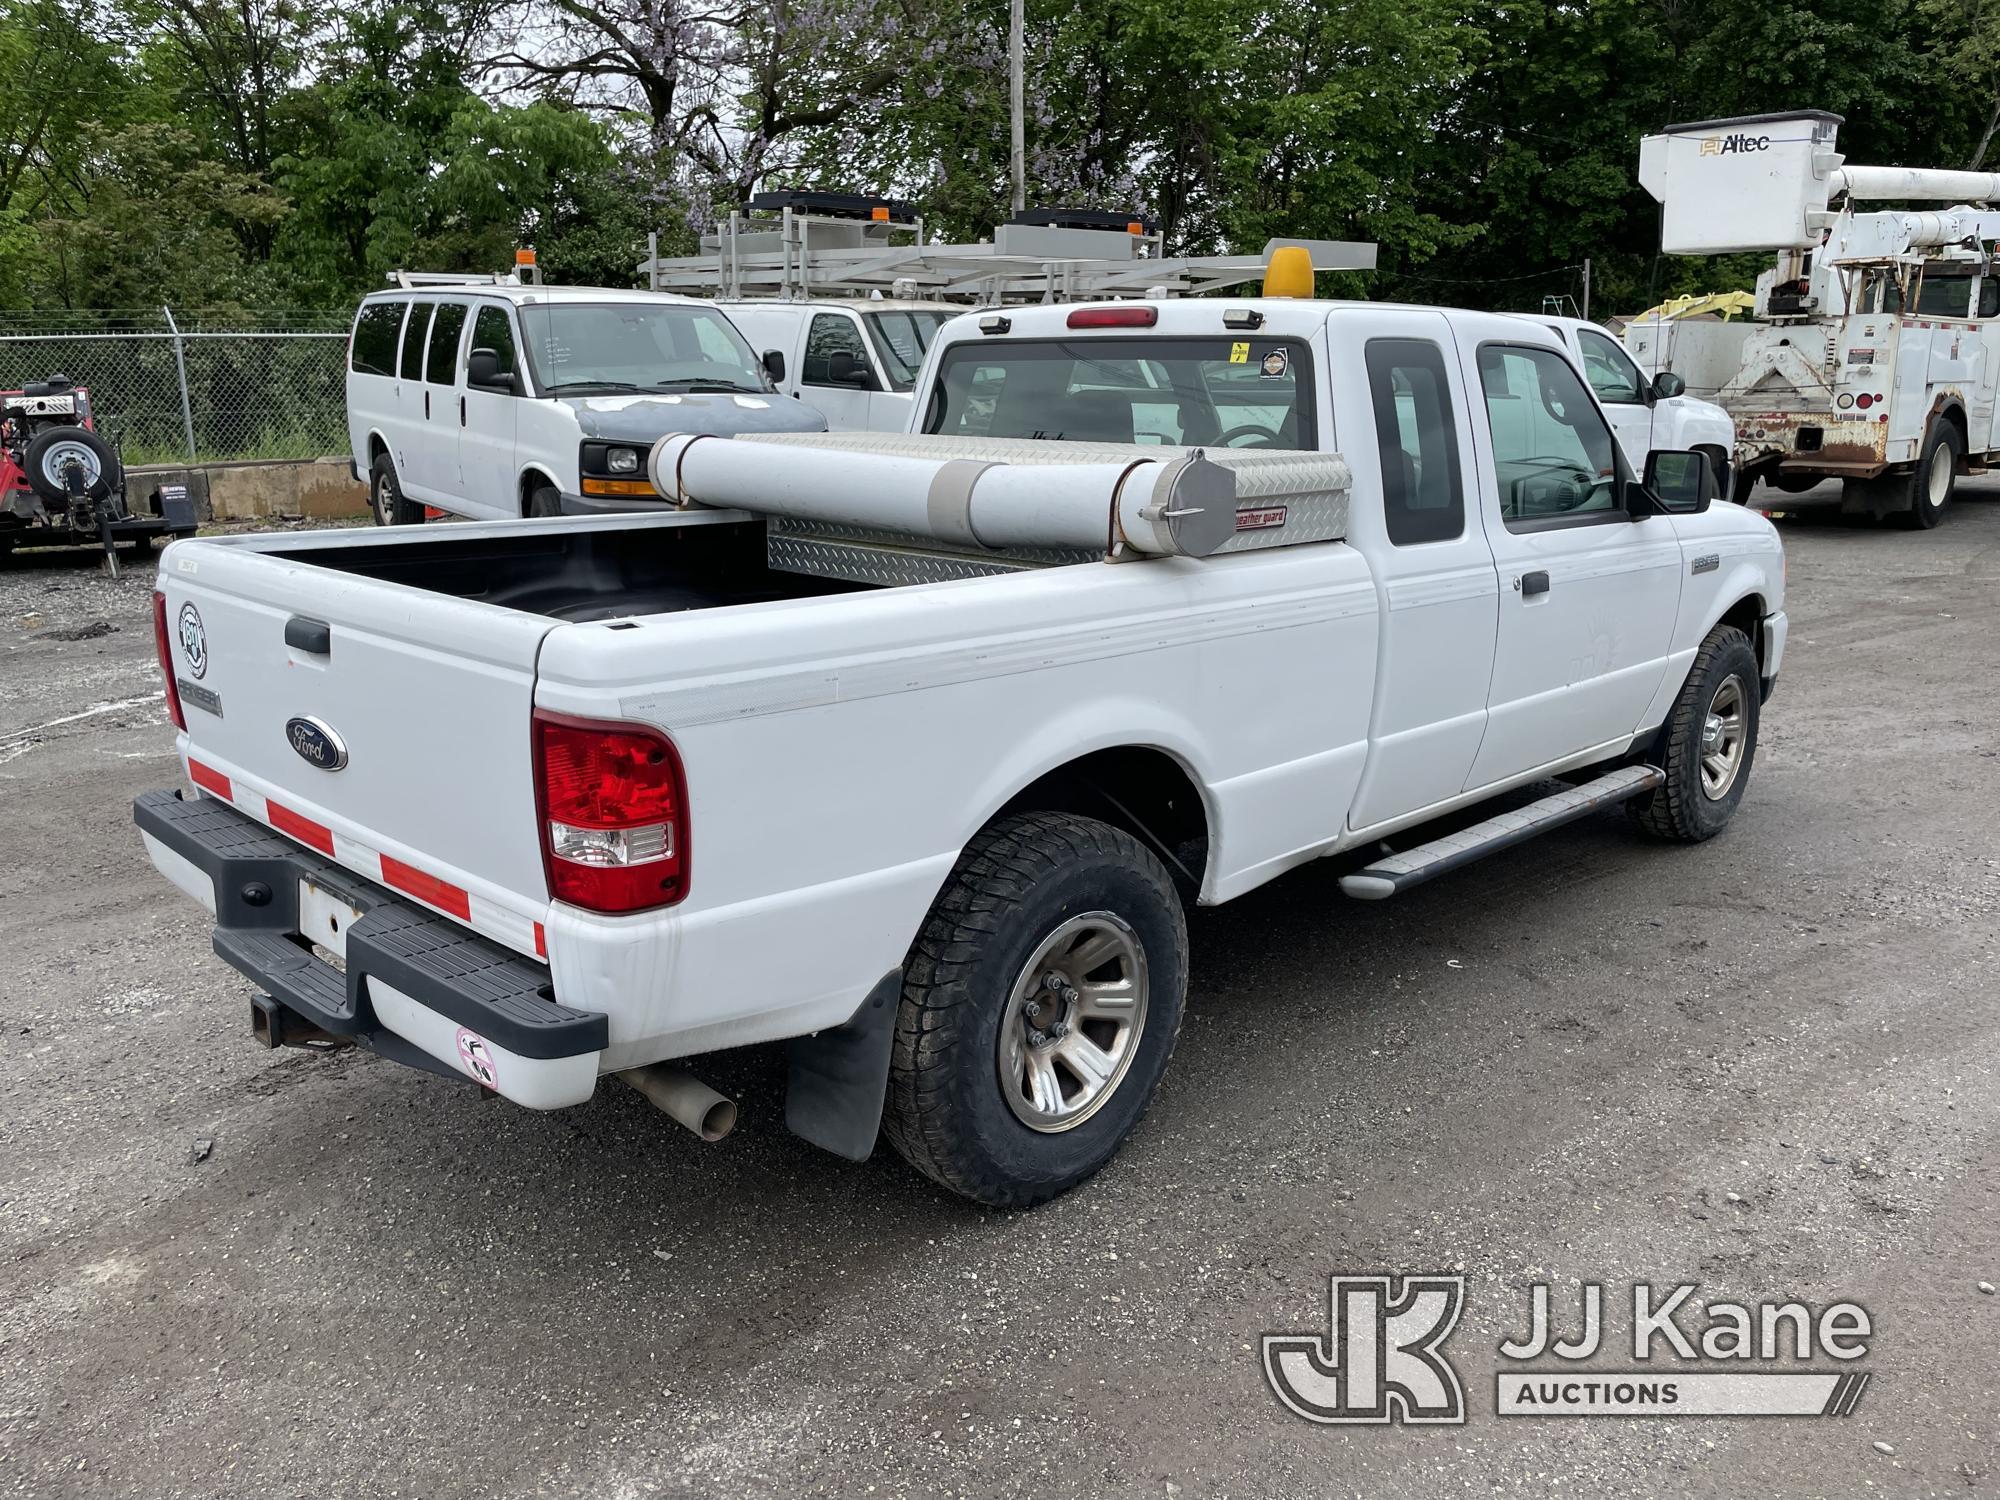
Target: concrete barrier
{"x": 319, "y": 488}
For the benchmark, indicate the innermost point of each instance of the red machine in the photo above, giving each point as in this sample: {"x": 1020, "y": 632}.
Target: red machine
{"x": 62, "y": 485}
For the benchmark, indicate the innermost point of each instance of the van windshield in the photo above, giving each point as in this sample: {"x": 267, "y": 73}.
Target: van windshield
{"x": 580, "y": 348}
{"x": 1212, "y": 392}
{"x": 904, "y": 336}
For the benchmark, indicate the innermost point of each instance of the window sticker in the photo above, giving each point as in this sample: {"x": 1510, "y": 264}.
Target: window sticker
{"x": 1276, "y": 365}
{"x": 1239, "y": 354}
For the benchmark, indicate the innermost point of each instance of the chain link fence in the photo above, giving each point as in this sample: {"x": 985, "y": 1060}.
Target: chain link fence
{"x": 198, "y": 386}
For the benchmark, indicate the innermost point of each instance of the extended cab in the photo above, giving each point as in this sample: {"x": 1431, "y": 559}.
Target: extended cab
{"x": 909, "y": 749}
{"x": 489, "y": 398}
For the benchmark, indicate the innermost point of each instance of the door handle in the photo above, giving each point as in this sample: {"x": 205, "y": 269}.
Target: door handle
{"x": 1534, "y": 583}
{"x": 427, "y": 406}
{"x": 314, "y": 636}
{"x": 461, "y": 411}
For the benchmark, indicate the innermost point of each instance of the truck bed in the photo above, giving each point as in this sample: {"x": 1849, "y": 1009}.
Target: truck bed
{"x": 580, "y": 573}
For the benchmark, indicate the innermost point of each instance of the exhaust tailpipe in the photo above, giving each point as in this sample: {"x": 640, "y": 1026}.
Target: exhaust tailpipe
{"x": 685, "y": 1098}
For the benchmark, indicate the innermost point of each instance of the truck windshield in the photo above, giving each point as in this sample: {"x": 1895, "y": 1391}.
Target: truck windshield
{"x": 577, "y": 348}
{"x": 904, "y": 337}
{"x": 1214, "y": 392}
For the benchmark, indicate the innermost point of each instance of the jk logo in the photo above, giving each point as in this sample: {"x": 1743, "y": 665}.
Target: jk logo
{"x": 1379, "y": 1360}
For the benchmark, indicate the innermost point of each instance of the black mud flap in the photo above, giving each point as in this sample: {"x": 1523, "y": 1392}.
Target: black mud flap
{"x": 840, "y": 1076}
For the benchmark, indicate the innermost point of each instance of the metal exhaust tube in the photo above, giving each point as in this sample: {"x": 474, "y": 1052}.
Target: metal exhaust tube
{"x": 685, "y": 1099}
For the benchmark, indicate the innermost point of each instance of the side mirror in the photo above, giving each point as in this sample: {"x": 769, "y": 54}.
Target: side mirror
{"x": 843, "y": 368}
{"x": 1667, "y": 385}
{"x": 774, "y": 365}
{"x": 483, "y": 373}
{"x": 1677, "y": 483}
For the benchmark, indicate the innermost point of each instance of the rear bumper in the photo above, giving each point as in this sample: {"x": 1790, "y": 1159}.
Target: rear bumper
{"x": 417, "y": 988}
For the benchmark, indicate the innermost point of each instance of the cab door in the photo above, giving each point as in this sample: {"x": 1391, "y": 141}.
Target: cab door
{"x": 1434, "y": 572}
{"x": 836, "y": 374}
{"x": 1587, "y": 595}
{"x": 488, "y": 413}
{"x": 1621, "y": 390}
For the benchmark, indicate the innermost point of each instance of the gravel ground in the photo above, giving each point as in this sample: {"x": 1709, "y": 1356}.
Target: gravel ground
{"x": 1766, "y": 1065}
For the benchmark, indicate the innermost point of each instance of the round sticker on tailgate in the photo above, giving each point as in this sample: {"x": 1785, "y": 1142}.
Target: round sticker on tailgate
{"x": 477, "y": 1057}
{"x": 194, "y": 640}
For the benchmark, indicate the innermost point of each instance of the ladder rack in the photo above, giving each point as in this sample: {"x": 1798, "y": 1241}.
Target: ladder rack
{"x": 795, "y": 250}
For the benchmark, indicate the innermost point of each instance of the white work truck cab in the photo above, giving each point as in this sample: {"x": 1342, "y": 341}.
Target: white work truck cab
{"x": 490, "y": 398}
{"x": 1649, "y": 412}
{"x": 911, "y": 750}
{"x": 854, "y": 360}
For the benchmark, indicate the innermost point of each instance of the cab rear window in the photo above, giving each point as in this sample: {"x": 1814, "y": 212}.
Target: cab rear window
{"x": 1206, "y": 392}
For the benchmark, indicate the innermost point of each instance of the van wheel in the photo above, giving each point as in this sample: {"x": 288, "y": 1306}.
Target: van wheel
{"x": 1040, "y": 1004}
{"x": 1932, "y": 485}
{"x": 1709, "y": 742}
{"x": 386, "y": 499}
{"x": 545, "y": 500}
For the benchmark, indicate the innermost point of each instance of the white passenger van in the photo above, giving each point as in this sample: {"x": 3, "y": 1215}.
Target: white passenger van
{"x": 490, "y": 399}
{"x": 856, "y": 361}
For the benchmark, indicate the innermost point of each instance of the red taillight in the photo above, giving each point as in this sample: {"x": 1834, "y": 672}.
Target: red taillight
{"x": 613, "y": 806}
{"x": 165, "y": 648}
{"x": 1137, "y": 315}
{"x": 1864, "y": 401}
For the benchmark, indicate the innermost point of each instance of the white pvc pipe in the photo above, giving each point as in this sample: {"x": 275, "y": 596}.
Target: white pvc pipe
{"x": 1183, "y": 506}
{"x": 1917, "y": 184}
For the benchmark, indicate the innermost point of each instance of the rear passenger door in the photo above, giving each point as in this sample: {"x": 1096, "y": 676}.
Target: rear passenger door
{"x": 1433, "y": 567}
{"x": 443, "y": 414}
{"x": 407, "y": 439}
{"x": 1587, "y": 595}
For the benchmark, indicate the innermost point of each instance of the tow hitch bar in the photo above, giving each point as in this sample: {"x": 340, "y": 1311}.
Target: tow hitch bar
{"x": 275, "y": 1026}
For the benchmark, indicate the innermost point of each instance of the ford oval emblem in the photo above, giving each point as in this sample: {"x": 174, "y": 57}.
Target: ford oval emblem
{"x": 316, "y": 743}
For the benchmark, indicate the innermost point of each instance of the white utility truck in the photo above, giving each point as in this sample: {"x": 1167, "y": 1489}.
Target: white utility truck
{"x": 909, "y": 750}
{"x": 1876, "y": 354}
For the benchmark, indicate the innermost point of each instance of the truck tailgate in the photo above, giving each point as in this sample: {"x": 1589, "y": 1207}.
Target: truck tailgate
{"x": 386, "y": 727}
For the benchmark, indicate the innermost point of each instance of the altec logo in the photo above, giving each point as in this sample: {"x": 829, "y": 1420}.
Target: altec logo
{"x": 1380, "y": 1360}
{"x": 1734, "y": 145}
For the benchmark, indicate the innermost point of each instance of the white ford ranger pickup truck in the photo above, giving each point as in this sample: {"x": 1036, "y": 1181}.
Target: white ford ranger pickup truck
{"x": 910, "y": 750}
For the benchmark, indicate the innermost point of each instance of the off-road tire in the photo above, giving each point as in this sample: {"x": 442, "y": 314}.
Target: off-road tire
{"x": 386, "y": 500}
{"x": 1016, "y": 883}
{"x": 1942, "y": 445}
{"x": 1681, "y": 810}
{"x": 544, "y": 500}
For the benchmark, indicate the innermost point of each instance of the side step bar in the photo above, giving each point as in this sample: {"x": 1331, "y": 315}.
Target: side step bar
{"x": 1399, "y": 872}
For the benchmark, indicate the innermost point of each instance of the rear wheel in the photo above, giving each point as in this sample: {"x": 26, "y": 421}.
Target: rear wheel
{"x": 1708, "y": 744}
{"x": 1040, "y": 1005}
{"x": 386, "y": 498}
{"x": 1931, "y": 487}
